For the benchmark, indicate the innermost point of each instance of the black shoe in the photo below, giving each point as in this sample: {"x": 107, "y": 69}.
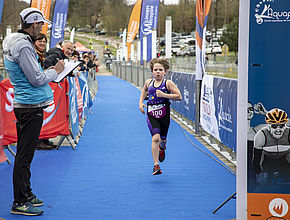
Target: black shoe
{"x": 42, "y": 146}
{"x": 35, "y": 201}
{"x": 162, "y": 154}
{"x": 157, "y": 170}
{"x": 48, "y": 142}
{"x": 25, "y": 209}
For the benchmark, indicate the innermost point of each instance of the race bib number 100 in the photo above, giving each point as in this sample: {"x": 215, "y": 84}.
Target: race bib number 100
{"x": 157, "y": 111}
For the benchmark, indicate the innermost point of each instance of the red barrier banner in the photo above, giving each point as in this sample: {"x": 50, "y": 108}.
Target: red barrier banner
{"x": 55, "y": 119}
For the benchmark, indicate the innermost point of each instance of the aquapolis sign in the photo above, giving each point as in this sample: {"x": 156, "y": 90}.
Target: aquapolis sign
{"x": 147, "y": 25}
{"x": 264, "y": 12}
{"x": 58, "y": 26}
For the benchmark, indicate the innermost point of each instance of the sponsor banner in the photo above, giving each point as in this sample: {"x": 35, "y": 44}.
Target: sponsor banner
{"x": 208, "y": 120}
{"x": 44, "y": 7}
{"x": 225, "y": 100}
{"x": 202, "y": 11}
{"x": 73, "y": 103}
{"x": 149, "y": 20}
{"x": 133, "y": 26}
{"x": 270, "y": 206}
{"x": 1, "y": 8}
{"x": 79, "y": 98}
{"x": 87, "y": 100}
{"x": 268, "y": 145}
{"x": 218, "y": 109}
{"x": 269, "y": 58}
{"x": 58, "y": 22}
{"x": 9, "y": 120}
{"x": 186, "y": 84}
{"x": 55, "y": 119}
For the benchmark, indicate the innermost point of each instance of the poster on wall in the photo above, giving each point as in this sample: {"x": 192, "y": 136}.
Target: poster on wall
{"x": 268, "y": 111}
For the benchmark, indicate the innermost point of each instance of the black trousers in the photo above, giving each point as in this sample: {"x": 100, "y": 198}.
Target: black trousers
{"x": 28, "y": 125}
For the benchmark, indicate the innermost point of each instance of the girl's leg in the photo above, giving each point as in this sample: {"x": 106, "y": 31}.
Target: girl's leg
{"x": 155, "y": 147}
{"x": 163, "y": 143}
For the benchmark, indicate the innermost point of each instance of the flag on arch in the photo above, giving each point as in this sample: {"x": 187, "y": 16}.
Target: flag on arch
{"x": 202, "y": 11}
{"x": 133, "y": 26}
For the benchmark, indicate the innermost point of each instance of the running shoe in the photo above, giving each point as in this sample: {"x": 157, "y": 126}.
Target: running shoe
{"x": 162, "y": 154}
{"x": 157, "y": 170}
{"x": 35, "y": 201}
{"x": 25, "y": 209}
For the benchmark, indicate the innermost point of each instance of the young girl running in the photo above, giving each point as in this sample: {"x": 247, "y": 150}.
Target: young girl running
{"x": 159, "y": 92}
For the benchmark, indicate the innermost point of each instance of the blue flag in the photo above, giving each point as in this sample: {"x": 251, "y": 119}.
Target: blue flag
{"x": 149, "y": 20}
{"x": 1, "y": 9}
{"x": 58, "y": 22}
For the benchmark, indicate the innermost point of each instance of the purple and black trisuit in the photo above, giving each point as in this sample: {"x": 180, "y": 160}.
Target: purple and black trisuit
{"x": 158, "y": 110}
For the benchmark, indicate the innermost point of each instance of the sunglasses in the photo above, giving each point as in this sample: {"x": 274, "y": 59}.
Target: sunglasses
{"x": 278, "y": 125}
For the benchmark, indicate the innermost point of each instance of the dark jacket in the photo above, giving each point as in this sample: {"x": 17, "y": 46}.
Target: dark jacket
{"x": 52, "y": 57}
{"x": 84, "y": 66}
{"x": 91, "y": 64}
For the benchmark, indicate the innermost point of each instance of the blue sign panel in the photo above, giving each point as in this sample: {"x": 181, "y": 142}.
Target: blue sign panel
{"x": 186, "y": 84}
{"x": 225, "y": 101}
{"x": 268, "y": 82}
{"x": 73, "y": 106}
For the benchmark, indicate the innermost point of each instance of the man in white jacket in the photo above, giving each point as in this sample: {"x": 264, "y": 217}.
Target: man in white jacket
{"x": 32, "y": 93}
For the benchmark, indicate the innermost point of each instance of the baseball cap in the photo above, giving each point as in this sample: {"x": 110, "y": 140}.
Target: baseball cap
{"x": 31, "y": 15}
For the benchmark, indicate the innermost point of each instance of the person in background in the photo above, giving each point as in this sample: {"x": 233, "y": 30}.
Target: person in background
{"x": 91, "y": 63}
{"x": 84, "y": 64}
{"x": 31, "y": 95}
{"x": 55, "y": 54}
{"x": 75, "y": 57}
{"x": 160, "y": 91}
{"x": 96, "y": 62}
{"x": 40, "y": 46}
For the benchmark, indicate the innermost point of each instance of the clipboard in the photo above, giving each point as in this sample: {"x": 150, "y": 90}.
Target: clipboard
{"x": 69, "y": 65}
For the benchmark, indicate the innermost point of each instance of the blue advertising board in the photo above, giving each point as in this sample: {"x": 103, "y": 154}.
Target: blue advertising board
{"x": 73, "y": 106}
{"x": 185, "y": 82}
{"x": 225, "y": 101}
{"x": 268, "y": 144}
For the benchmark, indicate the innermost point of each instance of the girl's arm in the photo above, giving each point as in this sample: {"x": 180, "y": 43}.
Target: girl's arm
{"x": 143, "y": 96}
{"x": 175, "y": 93}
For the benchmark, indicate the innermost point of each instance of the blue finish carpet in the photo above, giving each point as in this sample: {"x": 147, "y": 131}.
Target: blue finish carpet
{"x": 109, "y": 175}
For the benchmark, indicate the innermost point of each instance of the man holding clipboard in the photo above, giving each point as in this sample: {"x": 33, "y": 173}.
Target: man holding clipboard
{"x": 32, "y": 94}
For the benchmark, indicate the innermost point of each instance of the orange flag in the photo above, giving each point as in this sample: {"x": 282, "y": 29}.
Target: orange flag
{"x": 202, "y": 11}
{"x": 44, "y": 7}
{"x": 133, "y": 26}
